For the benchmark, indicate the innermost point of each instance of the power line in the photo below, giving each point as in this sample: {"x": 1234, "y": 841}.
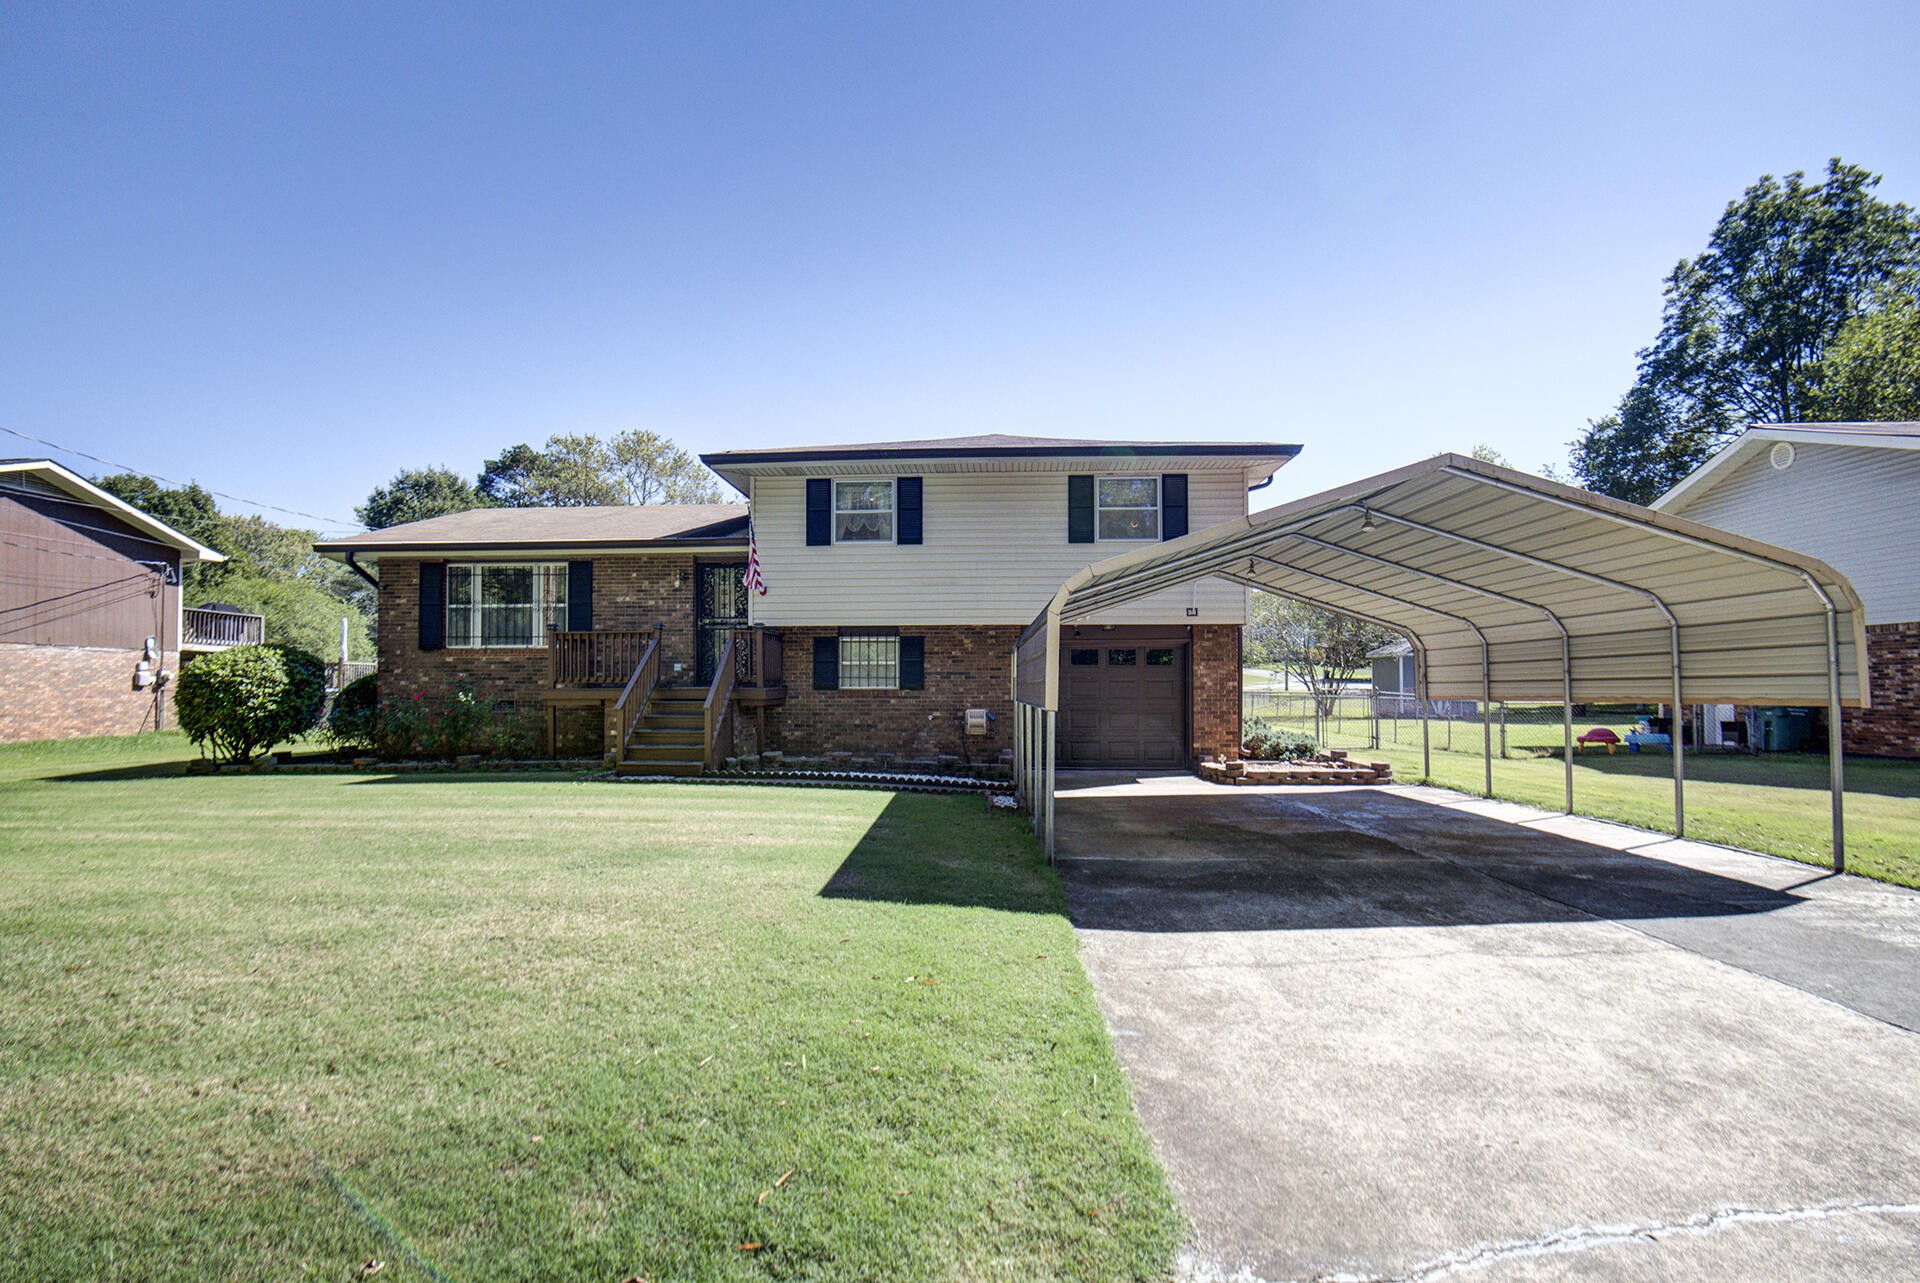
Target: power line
{"x": 154, "y": 476}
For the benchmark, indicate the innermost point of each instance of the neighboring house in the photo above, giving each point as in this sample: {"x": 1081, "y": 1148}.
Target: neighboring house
{"x": 1393, "y": 668}
{"x": 91, "y": 625}
{"x": 899, "y": 576}
{"x": 1849, "y": 494}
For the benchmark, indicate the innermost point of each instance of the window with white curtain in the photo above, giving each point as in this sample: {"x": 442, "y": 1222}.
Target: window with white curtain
{"x": 863, "y": 511}
{"x": 505, "y": 604}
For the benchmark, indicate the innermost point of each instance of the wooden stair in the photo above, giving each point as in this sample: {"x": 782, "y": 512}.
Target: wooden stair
{"x": 670, "y": 738}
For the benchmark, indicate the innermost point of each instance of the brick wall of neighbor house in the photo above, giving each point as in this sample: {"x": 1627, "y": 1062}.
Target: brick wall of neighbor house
{"x": 1891, "y": 728}
{"x": 629, "y": 592}
{"x": 59, "y": 692}
{"x": 966, "y": 667}
{"x": 1216, "y": 690}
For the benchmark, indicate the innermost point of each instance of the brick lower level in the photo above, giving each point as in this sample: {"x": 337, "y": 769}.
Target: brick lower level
{"x": 62, "y": 692}
{"x": 968, "y": 667}
{"x": 1891, "y": 728}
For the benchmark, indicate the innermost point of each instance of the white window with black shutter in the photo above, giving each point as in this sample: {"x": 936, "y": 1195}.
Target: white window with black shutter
{"x": 869, "y": 659}
{"x": 1126, "y": 509}
{"x": 501, "y": 604}
{"x": 860, "y": 510}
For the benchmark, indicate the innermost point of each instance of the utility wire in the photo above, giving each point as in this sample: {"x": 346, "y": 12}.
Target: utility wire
{"x": 154, "y": 476}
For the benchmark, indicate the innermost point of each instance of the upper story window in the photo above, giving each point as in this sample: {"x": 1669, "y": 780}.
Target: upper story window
{"x": 863, "y": 511}
{"x": 503, "y": 604}
{"x": 1126, "y": 507}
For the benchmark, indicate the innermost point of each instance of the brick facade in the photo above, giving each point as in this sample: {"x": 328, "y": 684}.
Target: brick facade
{"x": 1215, "y": 700}
{"x": 968, "y": 667}
{"x": 59, "y": 692}
{"x": 1891, "y": 728}
{"x": 629, "y": 592}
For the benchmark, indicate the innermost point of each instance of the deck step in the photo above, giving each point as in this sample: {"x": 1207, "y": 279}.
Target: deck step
{"x": 663, "y": 751}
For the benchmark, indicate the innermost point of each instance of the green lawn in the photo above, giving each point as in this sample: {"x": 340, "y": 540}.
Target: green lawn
{"x": 481, "y": 1027}
{"x": 1775, "y": 803}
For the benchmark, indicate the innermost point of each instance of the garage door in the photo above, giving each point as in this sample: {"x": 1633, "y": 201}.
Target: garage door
{"x": 1123, "y": 706}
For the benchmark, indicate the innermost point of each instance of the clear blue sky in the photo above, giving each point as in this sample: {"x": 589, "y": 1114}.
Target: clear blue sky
{"x": 289, "y": 250}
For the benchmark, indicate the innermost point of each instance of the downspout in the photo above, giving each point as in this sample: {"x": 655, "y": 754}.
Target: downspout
{"x": 361, "y": 570}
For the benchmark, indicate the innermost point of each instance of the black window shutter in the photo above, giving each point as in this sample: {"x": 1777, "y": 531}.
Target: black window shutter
{"x": 906, "y": 500}
{"x": 433, "y": 605}
{"x": 826, "y": 663}
{"x": 913, "y": 663}
{"x": 1173, "y": 505}
{"x": 819, "y": 512}
{"x": 1079, "y": 509}
{"x": 580, "y": 596}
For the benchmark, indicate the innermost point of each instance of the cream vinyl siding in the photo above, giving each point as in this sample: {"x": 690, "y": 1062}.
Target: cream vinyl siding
{"x": 994, "y": 551}
{"x": 1856, "y": 508}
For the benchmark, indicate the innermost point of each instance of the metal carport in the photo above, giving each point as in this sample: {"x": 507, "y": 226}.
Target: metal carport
{"x": 1510, "y": 587}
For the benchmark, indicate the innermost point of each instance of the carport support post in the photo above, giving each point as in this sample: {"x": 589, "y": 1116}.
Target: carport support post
{"x": 1836, "y": 746}
{"x": 1046, "y": 789}
{"x": 1426, "y": 709}
{"x": 1679, "y": 751}
{"x": 1566, "y": 713}
{"x": 1486, "y": 712}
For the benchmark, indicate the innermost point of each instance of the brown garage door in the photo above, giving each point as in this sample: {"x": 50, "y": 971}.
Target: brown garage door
{"x": 1123, "y": 706}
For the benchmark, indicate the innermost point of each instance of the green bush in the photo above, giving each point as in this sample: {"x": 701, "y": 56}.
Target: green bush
{"x": 239, "y": 701}
{"x": 456, "y": 721}
{"x": 354, "y": 719}
{"x": 1264, "y": 742}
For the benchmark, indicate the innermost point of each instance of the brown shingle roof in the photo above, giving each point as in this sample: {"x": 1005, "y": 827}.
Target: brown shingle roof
{"x": 1000, "y": 444}
{"x": 532, "y": 527}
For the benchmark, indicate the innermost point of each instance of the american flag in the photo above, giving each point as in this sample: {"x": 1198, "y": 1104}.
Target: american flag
{"x": 755, "y": 584}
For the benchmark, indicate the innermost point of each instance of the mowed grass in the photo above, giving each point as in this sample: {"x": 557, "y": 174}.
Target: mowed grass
{"x": 1777, "y": 803}
{"x": 496, "y": 1027}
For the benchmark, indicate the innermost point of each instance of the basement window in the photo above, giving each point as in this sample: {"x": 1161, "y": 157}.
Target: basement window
{"x": 869, "y": 663}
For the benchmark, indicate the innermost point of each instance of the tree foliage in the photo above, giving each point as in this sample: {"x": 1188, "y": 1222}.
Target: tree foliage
{"x": 579, "y": 469}
{"x": 237, "y": 702}
{"x": 1872, "y": 372}
{"x": 416, "y": 494}
{"x": 1747, "y": 327}
{"x": 1321, "y": 649}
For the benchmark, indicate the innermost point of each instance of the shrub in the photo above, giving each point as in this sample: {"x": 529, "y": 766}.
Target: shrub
{"x": 1262, "y": 741}
{"x": 353, "y": 722}
{"x": 242, "y": 700}
{"x": 454, "y": 722}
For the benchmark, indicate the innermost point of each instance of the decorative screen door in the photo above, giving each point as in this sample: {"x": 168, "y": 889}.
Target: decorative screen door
{"x": 720, "y": 606}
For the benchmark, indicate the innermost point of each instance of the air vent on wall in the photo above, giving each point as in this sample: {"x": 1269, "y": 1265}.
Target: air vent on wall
{"x": 1781, "y": 456}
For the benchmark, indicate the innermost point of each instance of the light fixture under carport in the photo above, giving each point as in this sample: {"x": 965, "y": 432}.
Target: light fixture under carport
{"x": 1558, "y": 594}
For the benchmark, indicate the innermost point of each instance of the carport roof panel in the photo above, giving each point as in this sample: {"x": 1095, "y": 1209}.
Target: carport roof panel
{"x": 1452, "y": 549}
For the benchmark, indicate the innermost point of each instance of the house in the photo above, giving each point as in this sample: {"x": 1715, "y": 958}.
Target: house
{"x": 1394, "y": 668}
{"x": 898, "y": 577}
{"x": 1849, "y": 494}
{"x": 91, "y": 623}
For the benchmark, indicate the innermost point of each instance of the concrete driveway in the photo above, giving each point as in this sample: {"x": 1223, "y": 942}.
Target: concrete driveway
{"x": 1402, "y": 1034}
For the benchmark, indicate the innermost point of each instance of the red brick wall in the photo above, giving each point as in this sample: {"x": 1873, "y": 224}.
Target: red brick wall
{"x": 60, "y": 692}
{"x": 1891, "y": 728}
{"x": 1216, "y": 691}
{"x": 967, "y": 667}
{"x": 629, "y": 592}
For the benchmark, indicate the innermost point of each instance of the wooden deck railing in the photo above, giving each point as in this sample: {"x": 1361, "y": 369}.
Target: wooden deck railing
{"x": 758, "y": 651}
{"x": 634, "y": 696}
{"x": 213, "y": 629}
{"x": 719, "y": 705}
{"x": 596, "y": 659}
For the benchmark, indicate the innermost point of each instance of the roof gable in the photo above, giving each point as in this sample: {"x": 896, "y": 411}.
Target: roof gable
{"x": 44, "y": 475}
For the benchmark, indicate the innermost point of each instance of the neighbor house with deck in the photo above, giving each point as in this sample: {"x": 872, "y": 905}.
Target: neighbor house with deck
{"x": 91, "y": 621}
{"x": 898, "y": 577}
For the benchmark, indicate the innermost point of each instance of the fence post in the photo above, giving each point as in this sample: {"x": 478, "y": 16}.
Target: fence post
{"x": 1503, "y": 730}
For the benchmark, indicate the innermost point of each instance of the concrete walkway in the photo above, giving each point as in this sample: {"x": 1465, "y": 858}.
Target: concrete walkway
{"x": 1403, "y": 1034}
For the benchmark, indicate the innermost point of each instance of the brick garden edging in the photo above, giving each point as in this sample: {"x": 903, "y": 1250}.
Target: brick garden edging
{"x": 1333, "y": 767}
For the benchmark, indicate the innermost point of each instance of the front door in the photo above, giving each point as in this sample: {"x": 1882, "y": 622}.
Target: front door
{"x": 720, "y": 606}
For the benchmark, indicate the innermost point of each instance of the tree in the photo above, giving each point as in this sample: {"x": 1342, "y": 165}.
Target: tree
{"x": 579, "y": 469}
{"x": 1872, "y": 371}
{"x": 239, "y": 701}
{"x": 415, "y": 494}
{"x": 1747, "y": 325}
{"x": 1322, "y": 649}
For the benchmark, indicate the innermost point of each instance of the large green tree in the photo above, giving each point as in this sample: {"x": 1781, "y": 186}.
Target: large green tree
{"x": 1747, "y": 326}
{"x": 1872, "y": 372}
{"x": 415, "y": 494}
{"x": 579, "y": 469}
{"x": 1320, "y": 649}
